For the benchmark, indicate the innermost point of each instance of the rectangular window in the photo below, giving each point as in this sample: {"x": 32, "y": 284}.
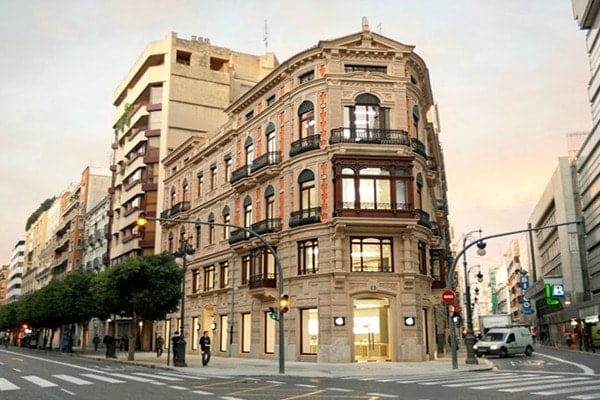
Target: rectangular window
{"x": 195, "y": 338}
{"x": 306, "y": 77}
{"x": 213, "y": 178}
{"x": 224, "y": 274}
{"x": 309, "y": 335}
{"x": 246, "y": 262}
{"x": 381, "y": 188}
{"x": 184, "y": 57}
{"x": 224, "y": 338}
{"x": 270, "y": 100}
{"x": 195, "y": 281}
{"x": 422, "y": 259}
{"x": 249, "y": 115}
{"x": 365, "y": 68}
{"x": 226, "y": 221}
{"x": 211, "y": 234}
{"x": 227, "y": 174}
{"x": 371, "y": 255}
{"x": 200, "y": 185}
{"x": 209, "y": 278}
{"x": 246, "y": 332}
{"x": 308, "y": 257}
{"x": 269, "y": 334}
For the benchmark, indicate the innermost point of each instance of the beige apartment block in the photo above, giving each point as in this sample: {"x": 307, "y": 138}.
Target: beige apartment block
{"x": 334, "y": 159}
{"x": 177, "y": 88}
{"x": 3, "y": 283}
{"x": 35, "y": 242}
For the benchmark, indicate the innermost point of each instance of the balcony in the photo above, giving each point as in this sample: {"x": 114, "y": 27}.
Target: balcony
{"x": 393, "y": 137}
{"x": 180, "y": 207}
{"x": 165, "y": 214}
{"x": 422, "y": 218}
{"x": 269, "y": 225}
{"x": 262, "y": 281}
{"x": 238, "y": 235}
{"x": 305, "y": 217}
{"x": 305, "y": 144}
{"x": 418, "y": 147}
{"x": 266, "y": 160}
{"x": 239, "y": 174}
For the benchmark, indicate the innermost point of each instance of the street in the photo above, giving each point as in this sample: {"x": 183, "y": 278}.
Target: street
{"x": 551, "y": 373}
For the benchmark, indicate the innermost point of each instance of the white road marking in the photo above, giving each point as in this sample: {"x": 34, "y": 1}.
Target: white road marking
{"x": 166, "y": 378}
{"x": 72, "y": 379}
{"x": 36, "y": 380}
{"x": 586, "y": 370}
{"x": 390, "y": 396}
{"x": 523, "y": 388}
{"x": 6, "y": 385}
{"x": 567, "y": 391}
{"x": 103, "y": 378}
{"x": 202, "y": 392}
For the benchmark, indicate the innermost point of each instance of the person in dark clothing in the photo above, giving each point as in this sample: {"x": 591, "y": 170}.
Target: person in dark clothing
{"x": 174, "y": 340}
{"x": 205, "y": 348}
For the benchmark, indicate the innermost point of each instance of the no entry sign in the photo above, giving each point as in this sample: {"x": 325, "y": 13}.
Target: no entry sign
{"x": 448, "y": 296}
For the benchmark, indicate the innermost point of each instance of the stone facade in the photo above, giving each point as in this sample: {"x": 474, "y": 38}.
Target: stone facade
{"x": 334, "y": 159}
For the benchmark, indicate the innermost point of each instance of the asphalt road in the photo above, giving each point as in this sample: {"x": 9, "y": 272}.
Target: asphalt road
{"x": 39, "y": 375}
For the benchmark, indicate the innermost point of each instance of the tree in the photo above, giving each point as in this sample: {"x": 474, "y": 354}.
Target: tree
{"x": 144, "y": 287}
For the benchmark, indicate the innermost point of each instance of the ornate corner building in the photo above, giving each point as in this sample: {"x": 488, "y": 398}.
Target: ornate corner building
{"x": 334, "y": 159}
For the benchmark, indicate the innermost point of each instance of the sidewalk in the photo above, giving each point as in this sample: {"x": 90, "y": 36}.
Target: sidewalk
{"x": 226, "y": 366}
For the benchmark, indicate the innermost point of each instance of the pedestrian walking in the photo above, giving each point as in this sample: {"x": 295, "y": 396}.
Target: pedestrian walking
{"x": 205, "y": 348}
{"x": 96, "y": 342}
{"x": 159, "y": 346}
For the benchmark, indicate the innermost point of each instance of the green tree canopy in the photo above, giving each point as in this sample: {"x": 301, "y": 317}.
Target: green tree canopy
{"x": 144, "y": 287}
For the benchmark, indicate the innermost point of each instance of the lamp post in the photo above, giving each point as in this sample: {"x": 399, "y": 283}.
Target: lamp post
{"x": 143, "y": 220}
{"x": 481, "y": 251}
{"x": 469, "y": 337}
{"x": 185, "y": 250}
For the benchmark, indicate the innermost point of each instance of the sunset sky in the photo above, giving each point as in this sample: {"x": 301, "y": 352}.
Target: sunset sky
{"x": 509, "y": 77}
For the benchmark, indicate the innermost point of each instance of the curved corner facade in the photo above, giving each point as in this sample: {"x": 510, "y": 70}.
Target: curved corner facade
{"x": 334, "y": 159}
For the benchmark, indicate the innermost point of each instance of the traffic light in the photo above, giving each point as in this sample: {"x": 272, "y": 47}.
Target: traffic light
{"x": 455, "y": 312}
{"x": 284, "y": 303}
{"x": 273, "y": 313}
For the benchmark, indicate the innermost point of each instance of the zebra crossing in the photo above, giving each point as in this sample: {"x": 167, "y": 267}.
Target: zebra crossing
{"x": 81, "y": 379}
{"x": 576, "y": 387}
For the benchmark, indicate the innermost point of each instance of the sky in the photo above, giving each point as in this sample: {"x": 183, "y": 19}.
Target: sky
{"x": 509, "y": 77}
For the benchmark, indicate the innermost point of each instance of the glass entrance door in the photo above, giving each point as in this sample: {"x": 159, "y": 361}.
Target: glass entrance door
{"x": 371, "y": 330}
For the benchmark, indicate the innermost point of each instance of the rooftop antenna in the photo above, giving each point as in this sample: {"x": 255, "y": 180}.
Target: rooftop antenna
{"x": 266, "y": 39}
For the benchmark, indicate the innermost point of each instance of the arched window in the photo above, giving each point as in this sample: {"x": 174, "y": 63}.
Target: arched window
{"x": 306, "y": 119}
{"x": 419, "y": 197}
{"x": 211, "y": 229}
{"x": 416, "y": 117}
{"x": 186, "y": 187}
{"x": 270, "y": 202}
{"x": 170, "y": 242}
{"x": 173, "y": 197}
{"x": 271, "y": 139}
{"x": 308, "y": 191}
{"x": 226, "y": 220}
{"x": 247, "y": 212}
{"x": 366, "y": 118}
{"x": 249, "y": 149}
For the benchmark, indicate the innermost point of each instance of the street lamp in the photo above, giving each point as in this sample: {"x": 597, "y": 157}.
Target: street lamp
{"x": 185, "y": 251}
{"x": 481, "y": 251}
{"x": 470, "y": 337}
{"x": 143, "y": 219}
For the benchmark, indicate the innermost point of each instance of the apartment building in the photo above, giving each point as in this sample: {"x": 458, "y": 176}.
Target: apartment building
{"x": 334, "y": 159}
{"x": 96, "y": 236}
{"x": 36, "y": 231}
{"x": 3, "y": 283}
{"x": 15, "y": 272}
{"x": 177, "y": 88}
{"x": 587, "y": 14}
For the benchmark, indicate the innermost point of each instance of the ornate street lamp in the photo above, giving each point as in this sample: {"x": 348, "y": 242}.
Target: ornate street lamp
{"x": 470, "y": 337}
{"x": 185, "y": 251}
{"x": 143, "y": 220}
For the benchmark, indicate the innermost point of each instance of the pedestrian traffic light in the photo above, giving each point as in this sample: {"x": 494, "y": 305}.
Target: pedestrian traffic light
{"x": 284, "y": 303}
{"x": 273, "y": 313}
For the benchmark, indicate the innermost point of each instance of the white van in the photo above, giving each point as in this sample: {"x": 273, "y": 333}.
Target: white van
{"x": 504, "y": 342}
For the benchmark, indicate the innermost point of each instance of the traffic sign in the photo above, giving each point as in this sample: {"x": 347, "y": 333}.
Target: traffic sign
{"x": 448, "y": 296}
